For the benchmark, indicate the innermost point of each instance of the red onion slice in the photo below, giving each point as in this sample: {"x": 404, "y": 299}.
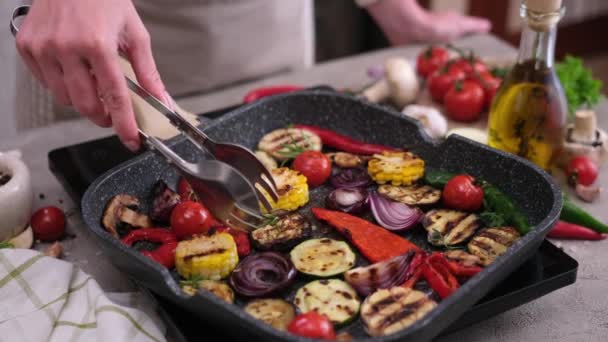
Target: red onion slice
{"x": 381, "y": 275}
{"x": 348, "y": 200}
{"x": 262, "y": 274}
{"x": 393, "y": 215}
{"x": 351, "y": 178}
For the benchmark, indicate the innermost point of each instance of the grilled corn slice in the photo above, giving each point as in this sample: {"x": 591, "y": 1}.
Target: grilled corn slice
{"x": 414, "y": 194}
{"x": 208, "y": 257}
{"x": 291, "y": 187}
{"x": 397, "y": 168}
{"x": 449, "y": 227}
{"x": 490, "y": 243}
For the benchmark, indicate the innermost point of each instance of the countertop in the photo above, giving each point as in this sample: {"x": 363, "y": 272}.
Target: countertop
{"x": 575, "y": 313}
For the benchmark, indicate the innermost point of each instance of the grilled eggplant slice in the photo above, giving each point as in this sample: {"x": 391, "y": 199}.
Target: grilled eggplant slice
{"x": 347, "y": 160}
{"x": 165, "y": 200}
{"x": 287, "y": 143}
{"x": 283, "y": 234}
{"x": 490, "y": 243}
{"x": 463, "y": 258}
{"x": 121, "y": 215}
{"x": 449, "y": 227}
{"x": 274, "y": 312}
{"x": 414, "y": 194}
{"x": 323, "y": 257}
{"x": 333, "y": 298}
{"x": 216, "y": 287}
{"x": 388, "y": 311}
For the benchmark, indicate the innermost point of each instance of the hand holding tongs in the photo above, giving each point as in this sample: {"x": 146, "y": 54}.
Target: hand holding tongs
{"x": 231, "y": 186}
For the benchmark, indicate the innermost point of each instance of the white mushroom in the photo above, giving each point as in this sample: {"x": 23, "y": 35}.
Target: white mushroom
{"x": 400, "y": 84}
{"x": 24, "y": 240}
{"x": 432, "y": 120}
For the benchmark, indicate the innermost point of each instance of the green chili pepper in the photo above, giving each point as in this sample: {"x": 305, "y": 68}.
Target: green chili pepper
{"x": 438, "y": 179}
{"x": 575, "y": 214}
{"x": 496, "y": 201}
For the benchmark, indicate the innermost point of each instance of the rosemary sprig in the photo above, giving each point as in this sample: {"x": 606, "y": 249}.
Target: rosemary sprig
{"x": 269, "y": 220}
{"x": 193, "y": 281}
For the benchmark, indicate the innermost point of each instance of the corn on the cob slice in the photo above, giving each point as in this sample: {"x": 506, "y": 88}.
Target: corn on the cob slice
{"x": 397, "y": 168}
{"x": 208, "y": 257}
{"x": 291, "y": 187}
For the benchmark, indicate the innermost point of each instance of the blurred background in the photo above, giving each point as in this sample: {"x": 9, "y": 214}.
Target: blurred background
{"x": 343, "y": 29}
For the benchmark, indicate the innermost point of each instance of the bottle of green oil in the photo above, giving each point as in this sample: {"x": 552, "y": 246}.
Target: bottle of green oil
{"x": 528, "y": 114}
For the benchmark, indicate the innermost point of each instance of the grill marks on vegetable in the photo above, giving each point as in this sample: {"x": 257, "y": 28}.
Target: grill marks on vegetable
{"x": 449, "y": 227}
{"x": 323, "y": 257}
{"x": 411, "y": 195}
{"x": 390, "y": 310}
{"x": 333, "y": 298}
{"x": 287, "y": 143}
{"x": 283, "y": 234}
{"x": 274, "y": 312}
{"x": 490, "y": 243}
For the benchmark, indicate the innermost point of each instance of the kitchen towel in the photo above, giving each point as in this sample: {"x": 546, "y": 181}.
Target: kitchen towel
{"x": 47, "y": 299}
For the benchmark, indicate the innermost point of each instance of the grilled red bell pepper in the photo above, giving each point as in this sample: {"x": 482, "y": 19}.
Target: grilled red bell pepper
{"x": 259, "y": 93}
{"x": 341, "y": 142}
{"x": 165, "y": 253}
{"x": 241, "y": 239}
{"x": 565, "y": 230}
{"x": 374, "y": 242}
{"x": 414, "y": 271}
{"x": 459, "y": 269}
{"x": 438, "y": 275}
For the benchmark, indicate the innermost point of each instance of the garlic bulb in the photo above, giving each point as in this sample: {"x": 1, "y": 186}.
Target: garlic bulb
{"x": 432, "y": 120}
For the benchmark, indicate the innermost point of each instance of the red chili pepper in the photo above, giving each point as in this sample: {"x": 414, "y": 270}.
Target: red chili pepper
{"x": 165, "y": 253}
{"x": 341, "y": 142}
{"x": 259, "y": 93}
{"x": 243, "y": 246}
{"x": 565, "y": 230}
{"x": 438, "y": 276}
{"x": 414, "y": 271}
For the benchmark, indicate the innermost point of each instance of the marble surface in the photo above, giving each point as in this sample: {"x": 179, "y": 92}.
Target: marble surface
{"x": 574, "y": 313}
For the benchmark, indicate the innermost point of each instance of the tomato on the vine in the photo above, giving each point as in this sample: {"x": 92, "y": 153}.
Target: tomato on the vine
{"x": 490, "y": 85}
{"x": 190, "y": 218}
{"x": 441, "y": 81}
{"x": 314, "y": 165}
{"x": 462, "y": 193}
{"x": 469, "y": 65}
{"x": 312, "y": 325}
{"x": 48, "y": 223}
{"x": 431, "y": 60}
{"x": 582, "y": 170}
{"x": 464, "y": 101}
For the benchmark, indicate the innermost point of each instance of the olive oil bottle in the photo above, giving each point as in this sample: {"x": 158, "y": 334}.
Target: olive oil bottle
{"x": 528, "y": 114}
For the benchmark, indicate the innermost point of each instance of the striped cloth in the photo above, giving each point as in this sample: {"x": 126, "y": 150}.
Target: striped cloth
{"x": 46, "y": 299}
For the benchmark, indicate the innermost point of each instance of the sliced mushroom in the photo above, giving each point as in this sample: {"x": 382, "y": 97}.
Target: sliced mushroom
{"x": 24, "y": 240}
{"x": 165, "y": 200}
{"x": 121, "y": 210}
{"x": 347, "y": 160}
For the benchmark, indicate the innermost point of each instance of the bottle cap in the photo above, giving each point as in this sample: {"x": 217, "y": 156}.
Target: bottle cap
{"x": 543, "y": 6}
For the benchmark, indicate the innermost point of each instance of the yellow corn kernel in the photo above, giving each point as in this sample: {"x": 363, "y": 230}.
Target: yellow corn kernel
{"x": 292, "y": 189}
{"x": 208, "y": 257}
{"x": 398, "y": 168}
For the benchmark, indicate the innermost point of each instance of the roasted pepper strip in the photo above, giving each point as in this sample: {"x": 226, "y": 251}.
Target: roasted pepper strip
{"x": 343, "y": 143}
{"x": 165, "y": 253}
{"x": 459, "y": 269}
{"x": 262, "y": 92}
{"x": 439, "y": 276}
{"x": 374, "y": 242}
{"x": 565, "y": 230}
{"x": 414, "y": 271}
{"x": 243, "y": 245}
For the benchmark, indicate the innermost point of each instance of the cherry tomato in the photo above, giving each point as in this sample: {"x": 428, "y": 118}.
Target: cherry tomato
{"x": 312, "y": 325}
{"x": 464, "y": 101}
{"x": 462, "y": 193}
{"x": 441, "y": 81}
{"x": 430, "y": 60}
{"x": 314, "y": 165}
{"x": 490, "y": 85}
{"x": 189, "y": 218}
{"x": 469, "y": 65}
{"x": 48, "y": 224}
{"x": 184, "y": 189}
{"x": 582, "y": 170}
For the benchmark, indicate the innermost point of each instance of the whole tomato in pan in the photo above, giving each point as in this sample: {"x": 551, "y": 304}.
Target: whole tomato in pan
{"x": 430, "y": 60}
{"x": 312, "y": 325}
{"x": 462, "y": 193}
{"x": 190, "y": 218}
{"x": 314, "y": 165}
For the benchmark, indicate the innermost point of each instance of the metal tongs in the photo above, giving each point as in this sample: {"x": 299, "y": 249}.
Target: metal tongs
{"x": 233, "y": 186}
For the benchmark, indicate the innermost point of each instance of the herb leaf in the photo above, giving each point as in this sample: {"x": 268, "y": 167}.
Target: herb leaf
{"x": 581, "y": 89}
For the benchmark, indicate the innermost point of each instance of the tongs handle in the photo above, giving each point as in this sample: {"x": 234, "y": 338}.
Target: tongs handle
{"x": 195, "y": 135}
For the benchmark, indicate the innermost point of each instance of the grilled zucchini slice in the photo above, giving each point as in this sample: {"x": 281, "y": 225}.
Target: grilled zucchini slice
{"x": 274, "y": 312}
{"x": 387, "y": 311}
{"x": 333, "y": 298}
{"x": 283, "y": 234}
{"x": 216, "y": 287}
{"x": 323, "y": 257}
{"x": 490, "y": 243}
{"x": 287, "y": 143}
{"x": 449, "y": 227}
{"x": 347, "y": 160}
{"x": 463, "y": 258}
{"x": 412, "y": 194}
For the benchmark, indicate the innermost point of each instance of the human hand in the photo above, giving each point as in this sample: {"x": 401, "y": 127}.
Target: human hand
{"x": 72, "y": 48}
{"x": 404, "y": 22}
